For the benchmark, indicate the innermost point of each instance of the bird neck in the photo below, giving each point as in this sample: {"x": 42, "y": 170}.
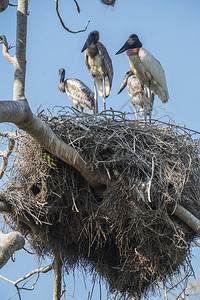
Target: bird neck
{"x": 92, "y": 50}
{"x": 134, "y": 51}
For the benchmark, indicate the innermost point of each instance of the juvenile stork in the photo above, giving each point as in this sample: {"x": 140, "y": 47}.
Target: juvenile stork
{"x": 136, "y": 93}
{"x": 77, "y": 91}
{"x": 99, "y": 65}
{"x": 146, "y": 67}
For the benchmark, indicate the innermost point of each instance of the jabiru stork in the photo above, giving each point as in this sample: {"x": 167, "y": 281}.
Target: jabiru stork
{"x": 99, "y": 65}
{"x": 146, "y": 67}
{"x": 136, "y": 93}
{"x": 77, "y": 91}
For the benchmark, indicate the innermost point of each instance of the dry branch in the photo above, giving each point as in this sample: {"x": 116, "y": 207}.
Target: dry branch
{"x": 6, "y": 153}
{"x": 9, "y": 243}
{"x": 61, "y": 21}
{"x": 19, "y": 113}
{"x": 108, "y": 2}
{"x": 37, "y": 271}
{"x": 188, "y": 218}
{"x": 5, "y": 52}
{"x": 57, "y": 266}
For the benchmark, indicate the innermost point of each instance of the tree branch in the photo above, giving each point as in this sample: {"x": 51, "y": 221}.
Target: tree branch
{"x": 186, "y": 216}
{"x": 37, "y": 271}
{"x": 57, "y": 266}
{"x": 4, "y": 208}
{"x": 20, "y": 61}
{"x": 5, "y": 52}
{"x": 5, "y": 154}
{"x": 9, "y": 243}
{"x": 19, "y": 113}
{"x": 61, "y": 21}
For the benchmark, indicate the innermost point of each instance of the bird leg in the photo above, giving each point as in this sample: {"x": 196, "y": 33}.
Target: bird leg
{"x": 151, "y": 101}
{"x": 136, "y": 117}
{"x": 104, "y": 93}
{"x": 95, "y": 98}
{"x": 145, "y": 106}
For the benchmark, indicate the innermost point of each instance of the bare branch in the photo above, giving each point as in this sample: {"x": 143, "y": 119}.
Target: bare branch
{"x": 5, "y": 154}
{"x": 19, "y": 113}
{"x": 61, "y": 21}
{"x": 37, "y": 271}
{"x": 13, "y": 5}
{"x": 77, "y": 6}
{"x": 186, "y": 217}
{"x": 196, "y": 243}
{"x": 5, "y": 48}
{"x": 57, "y": 266}
{"x": 9, "y": 243}
{"x": 20, "y": 55}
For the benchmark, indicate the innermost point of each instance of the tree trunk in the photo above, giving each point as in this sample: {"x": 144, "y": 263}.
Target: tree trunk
{"x": 57, "y": 266}
{"x": 20, "y": 56}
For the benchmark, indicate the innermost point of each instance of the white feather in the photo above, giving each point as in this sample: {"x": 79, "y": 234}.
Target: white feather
{"x": 147, "y": 67}
{"x": 79, "y": 93}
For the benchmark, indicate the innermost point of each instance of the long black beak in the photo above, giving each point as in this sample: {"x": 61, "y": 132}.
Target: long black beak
{"x": 125, "y": 47}
{"x": 123, "y": 85}
{"x": 86, "y": 45}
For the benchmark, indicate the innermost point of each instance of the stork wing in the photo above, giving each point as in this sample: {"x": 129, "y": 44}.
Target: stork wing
{"x": 80, "y": 92}
{"x": 153, "y": 66}
{"x": 106, "y": 60}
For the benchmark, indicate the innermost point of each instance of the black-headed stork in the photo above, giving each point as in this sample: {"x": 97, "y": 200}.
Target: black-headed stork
{"x": 99, "y": 65}
{"x": 136, "y": 93}
{"x": 77, "y": 91}
{"x": 146, "y": 67}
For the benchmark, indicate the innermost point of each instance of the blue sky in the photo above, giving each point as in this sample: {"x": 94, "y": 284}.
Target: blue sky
{"x": 169, "y": 29}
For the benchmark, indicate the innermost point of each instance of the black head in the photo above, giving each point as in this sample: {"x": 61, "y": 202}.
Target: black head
{"x": 62, "y": 74}
{"x": 132, "y": 42}
{"x": 93, "y": 38}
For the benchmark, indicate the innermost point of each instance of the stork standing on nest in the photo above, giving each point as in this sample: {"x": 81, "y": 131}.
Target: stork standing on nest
{"x": 147, "y": 68}
{"x": 99, "y": 65}
{"x": 77, "y": 91}
{"x": 136, "y": 93}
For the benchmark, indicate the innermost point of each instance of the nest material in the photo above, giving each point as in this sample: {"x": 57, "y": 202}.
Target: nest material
{"x": 127, "y": 237}
{"x": 108, "y": 2}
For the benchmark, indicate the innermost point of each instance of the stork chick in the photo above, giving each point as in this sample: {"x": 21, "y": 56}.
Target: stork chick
{"x": 146, "y": 67}
{"x": 77, "y": 91}
{"x": 99, "y": 65}
{"x": 136, "y": 93}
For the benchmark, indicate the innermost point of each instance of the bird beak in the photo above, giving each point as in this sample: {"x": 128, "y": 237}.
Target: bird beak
{"x": 86, "y": 45}
{"x": 125, "y": 47}
{"x": 123, "y": 85}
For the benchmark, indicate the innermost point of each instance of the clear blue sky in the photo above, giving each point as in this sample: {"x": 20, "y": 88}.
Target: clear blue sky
{"x": 169, "y": 29}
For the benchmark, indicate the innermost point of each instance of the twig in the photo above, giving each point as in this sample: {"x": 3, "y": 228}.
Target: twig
{"x": 13, "y": 5}
{"x": 61, "y": 21}
{"x": 5, "y": 53}
{"x": 77, "y": 6}
{"x": 5, "y": 154}
{"x": 196, "y": 243}
{"x": 150, "y": 181}
{"x": 37, "y": 271}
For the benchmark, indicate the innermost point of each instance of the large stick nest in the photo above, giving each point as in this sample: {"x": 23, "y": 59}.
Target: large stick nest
{"x": 127, "y": 236}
